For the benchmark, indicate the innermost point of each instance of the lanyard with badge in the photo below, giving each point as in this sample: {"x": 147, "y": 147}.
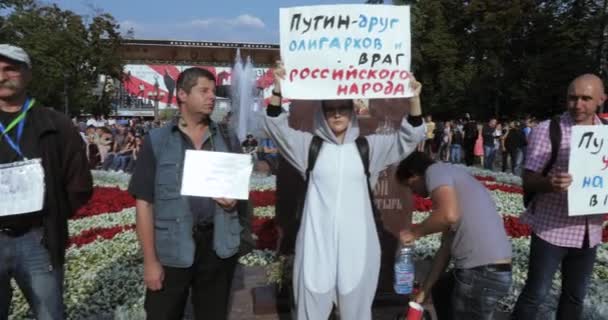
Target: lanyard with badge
{"x": 21, "y": 182}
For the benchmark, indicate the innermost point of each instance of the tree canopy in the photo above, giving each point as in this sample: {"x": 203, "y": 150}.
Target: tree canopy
{"x": 504, "y": 58}
{"x": 69, "y": 53}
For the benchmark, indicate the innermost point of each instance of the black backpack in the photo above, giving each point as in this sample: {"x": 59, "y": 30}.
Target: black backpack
{"x": 555, "y": 135}
{"x": 292, "y": 227}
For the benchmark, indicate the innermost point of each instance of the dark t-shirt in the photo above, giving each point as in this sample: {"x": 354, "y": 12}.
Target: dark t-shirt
{"x": 457, "y": 137}
{"x": 470, "y": 131}
{"x": 250, "y": 143}
{"x": 142, "y": 181}
{"x": 515, "y": 139}
{"x": 488, "y": 136}
{"x": 28, "y": 145}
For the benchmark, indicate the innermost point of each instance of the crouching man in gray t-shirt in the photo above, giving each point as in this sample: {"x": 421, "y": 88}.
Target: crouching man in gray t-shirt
{"x": 473, "y": 236}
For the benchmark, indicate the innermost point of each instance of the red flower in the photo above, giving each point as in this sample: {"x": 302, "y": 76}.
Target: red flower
{"x": 514, "y": 228}
{"x": 422, "y": 204}
{"x": 263, "y": 198}
{"x": 488, "y": 178}
{"x": 266, "y": 232}
{"x": 504, "y": 188}
{"x": 91, "y": 235}
{"x": 105, "y": 200}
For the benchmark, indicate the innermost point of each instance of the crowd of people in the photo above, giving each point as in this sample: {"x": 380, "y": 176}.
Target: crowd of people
{"x": 113, "y": 144}
{"x": 493, "y": 145}
{"x": 190, "y": 245}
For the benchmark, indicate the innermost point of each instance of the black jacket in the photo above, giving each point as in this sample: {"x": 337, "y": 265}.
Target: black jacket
{"x": 68, "y": 181}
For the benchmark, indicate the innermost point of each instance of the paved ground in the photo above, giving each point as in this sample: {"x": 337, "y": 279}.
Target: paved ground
{"x": 242, "y": 304}
{"x": 248, "y": 278}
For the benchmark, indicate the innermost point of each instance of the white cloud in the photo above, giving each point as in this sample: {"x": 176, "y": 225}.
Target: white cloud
{"x": 247, "y": 20}
{"x": 201, "y": 23}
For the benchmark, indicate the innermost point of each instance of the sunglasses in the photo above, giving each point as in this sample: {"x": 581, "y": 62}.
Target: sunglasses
{"x": 342, "y": 111}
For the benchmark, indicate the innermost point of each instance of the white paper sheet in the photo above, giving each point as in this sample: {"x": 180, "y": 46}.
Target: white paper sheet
{"x": 21, "y": 187}
{"x": 216, "y": 174}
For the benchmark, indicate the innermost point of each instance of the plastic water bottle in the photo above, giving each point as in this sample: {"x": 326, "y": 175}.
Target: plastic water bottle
{"x": 404, "y": 270}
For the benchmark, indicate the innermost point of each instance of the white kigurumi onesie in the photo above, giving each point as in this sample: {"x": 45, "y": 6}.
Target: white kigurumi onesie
{"x": 337, "y": 249}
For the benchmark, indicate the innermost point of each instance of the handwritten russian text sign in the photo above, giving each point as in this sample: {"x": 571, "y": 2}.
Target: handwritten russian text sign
{"x": 346, "y": 51}
{"x": 216, "y": 175}
{"x": 588, "y": 166}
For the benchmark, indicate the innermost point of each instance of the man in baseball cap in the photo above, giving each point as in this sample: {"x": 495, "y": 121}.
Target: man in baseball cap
{"x": 34, "y": 143}
{"x": 16, "y": 54}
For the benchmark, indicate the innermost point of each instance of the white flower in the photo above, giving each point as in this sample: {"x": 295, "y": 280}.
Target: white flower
{"x": 264, "y": 212}
{"x": 103, "y": 178}
{"x": 104, "y": 279}
{"x": 123, "y": 218}
{"x": 262, "y": 183}
{"x": 501, "y": 177}
{"x": 258, "y": 258}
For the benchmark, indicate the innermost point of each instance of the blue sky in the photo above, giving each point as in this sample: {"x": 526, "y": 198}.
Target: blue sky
{"x": 211, "y": 20}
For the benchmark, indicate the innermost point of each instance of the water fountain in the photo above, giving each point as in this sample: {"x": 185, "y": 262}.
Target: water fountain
{"x": 246, "y": 113}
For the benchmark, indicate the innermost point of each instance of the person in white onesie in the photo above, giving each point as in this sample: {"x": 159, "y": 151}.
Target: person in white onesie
{"x": 337, "y": 256}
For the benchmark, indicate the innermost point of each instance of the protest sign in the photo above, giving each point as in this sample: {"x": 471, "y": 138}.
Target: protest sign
{"x": 589, "y": 169}
{"x": 216, "y": 174}
{"x": 346, "y": 52}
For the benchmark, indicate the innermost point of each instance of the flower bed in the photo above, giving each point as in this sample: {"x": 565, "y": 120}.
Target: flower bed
{"x": 104, "y": 265}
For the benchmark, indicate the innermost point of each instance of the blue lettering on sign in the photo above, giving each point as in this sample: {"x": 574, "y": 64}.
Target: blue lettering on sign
{"x": 343, "y": 44}
{"x": 362, "y": 21}
{"x": 293, "y": 45}
{"x": 593, "y": 182}
{"x": 393, "y": 22}
{"x": 335, "y": 43}
{"x": 376, "y": 24}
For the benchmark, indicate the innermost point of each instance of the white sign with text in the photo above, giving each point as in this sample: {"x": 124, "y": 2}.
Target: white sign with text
{"x": 588, "y": 166}
{"x": 346, "y": 51}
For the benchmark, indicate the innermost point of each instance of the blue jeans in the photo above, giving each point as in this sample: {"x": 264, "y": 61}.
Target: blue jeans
{"x": 456, "y": 153}
{"x": 120, "y": 162}
{"x": 489, "y": 153}
{"x": 108, "y": 162}
{"x": 470, "y": 294}
{"x": 26, "y": 260}
{"x": 517, "y": 160}
{"x": 545, "y": 259}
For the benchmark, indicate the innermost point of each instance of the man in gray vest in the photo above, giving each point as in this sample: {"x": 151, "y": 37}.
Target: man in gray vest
{"x": 188, "y": 243}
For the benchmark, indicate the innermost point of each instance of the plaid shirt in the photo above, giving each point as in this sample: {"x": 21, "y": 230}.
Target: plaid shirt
{"x": 549, "y": 219}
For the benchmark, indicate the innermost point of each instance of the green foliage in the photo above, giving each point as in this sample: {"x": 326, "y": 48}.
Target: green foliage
{"x": 167, "y": 114}
{"x": 505, "y": 58}
{"x": 69, "y": 53}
